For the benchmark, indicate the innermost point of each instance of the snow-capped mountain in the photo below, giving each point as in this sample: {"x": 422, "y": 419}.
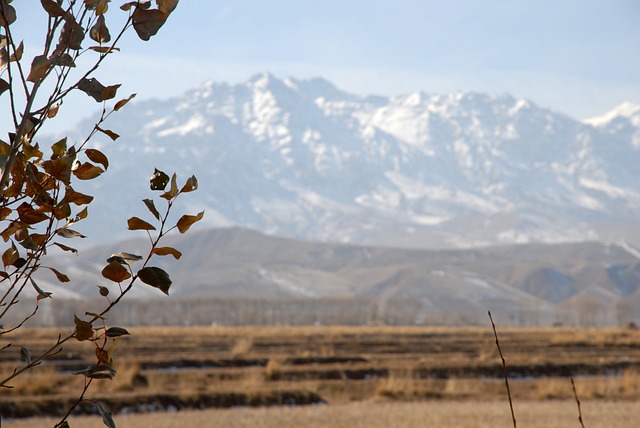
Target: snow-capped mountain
{"x": 303, "y": 159}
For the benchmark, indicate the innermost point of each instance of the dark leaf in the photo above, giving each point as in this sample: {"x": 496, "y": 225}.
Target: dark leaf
{"x": 59, "y": 169}
{"x": 92, "y": 87}
{"x": 77, "y": 198}
{"x": 110, "y": 91}
{"x": 124, "y": 258}
{"x": 186, "y": 221}
{"x": 10, "y": 256}
{"x": 107, "y": 417}
{"x": 66, "y": 248}
{"x": 104, "y": 291}
{"x": 4, "y": 86}
{"x": 68, "y": 233}
{"x": 159, "y": 180}
{"x": 101, "y": 371}
{"x": 166, "y": 6}
{"x": 17, "y": 55}
{"x": 83, "y": 330}
{"x": 98, "y": 157}
{"x": 152, "y": 207}
{"x": 52, "y": 8}
{"x": 41, "y": 293}
{"x": 122, "y": 103}
{"x": 117, "y": 332}
{"x": 53, "y": 111}
{"x": 61, "y": 59}
{"x": 7, "y": 15}
{"x": 104, "y": 49}
{"x": 116, "y": 272}
{"x": 99, "y": 32}
{"x": 39, "y": 67}
{"x": 109, "y": 133}
{"x": 190, "y": 185}
{"x": 30, "y": 216}
{"x": 61, "y": 277}
{"x": 24, "y": 355}
{"x": 71, "y": 35}
{"x": 166, "y": 251}
{"x": 86, "y": 171}
{"x": 173, "y": 190}
{"x": 135, "y": 223}
{"x": 148, "y": 22}
{"x": 59, "y": 148}
{"x": 155, "y": 277}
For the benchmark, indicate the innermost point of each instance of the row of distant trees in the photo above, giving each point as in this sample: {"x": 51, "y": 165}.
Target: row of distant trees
{"x": 338, "y": 311}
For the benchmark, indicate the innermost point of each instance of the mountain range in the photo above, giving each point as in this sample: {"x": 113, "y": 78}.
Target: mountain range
{"x": 303, "y": 159}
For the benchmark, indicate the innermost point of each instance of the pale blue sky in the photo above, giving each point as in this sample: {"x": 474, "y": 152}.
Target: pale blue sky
{"x": 581, "y": 57}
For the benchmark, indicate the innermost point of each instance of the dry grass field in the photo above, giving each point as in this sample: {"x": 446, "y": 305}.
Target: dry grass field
{"x": 339, "y": 376}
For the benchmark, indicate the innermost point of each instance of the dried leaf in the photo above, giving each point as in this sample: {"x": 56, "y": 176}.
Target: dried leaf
{"x": 61, "y": 59}
{"x": 52, "y": 8}
{"x": 60, "y": 169}
{"x": 152, "y": 207}
{"x": 17, "y": 55}
{"x": 61, "y": 277}
{"x": 92, "y": 87}
{"x": 190, "y": 185}
{"x": 155, "y": 277}
{"x": 135, "y": 223}
{"x": 68, "y": 233}
{"x": 99, "y": 32}
{"x": 39, "y": 67}
{"x": 166, "y": 251}
{"x": 71, "y": 35}
{"x": 86, "y": 171}
{"x": 148, "y": 22}
{"x": 159, "y": 180}
{"x": 104, "y": 49}
{"x": 41, "y": 293}
{"x": 110, "y": 91}
{"x": 8, "y": 15}
{"x": 53, "y": 111}
{"x": 4, "y": 86}
{"x": 28, "y": 215}
{"x": 10, "y": 256}
{"x": 122, "y": 102}
{"x": 104, "y": 291}
{"x": 186, "y": 221}
{"x": 109, "y": 133}
{"x": 83, "y": 330}
{"x": 117, "y": 332}
{"x": 98, "y": 157}
{"x": 107, "y": 416}
{"x": 77, "y": 198}
{"x": 173, "y": 190}
{"x": 66, "y": 248}
{"x": 116, "y": 272}
{"x": 101, "y": 371}
{"x": 24, "y": 355}
{"x": 124, "y": 258}
{"x": 166, "y": 6}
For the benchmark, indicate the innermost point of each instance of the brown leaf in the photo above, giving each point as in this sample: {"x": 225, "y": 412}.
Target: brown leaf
{"x": 17, "y": 55}
{"x": 10, "y": 256}
{"x": 84, "y": 329}
{"x": 71, "y": 35}
{"x": 4, "y": 86}
{"x": 166, "y": 6}
{"x": 98, "y": 157}
{"x": 158, "y": 180}
{"x": 135, "y": 223}
{"x": 52, "y": 8}
{"x": 104, "y": 49}
{"x": 53, "y": 111}
{"x": 4, "y": 212}
{"x": 155, "y": 277}
{"x": 61, "y": 277}
{"x": 186, "y": 221}
{"x": 151, "y": 207}
{"x": 92, "y": 87}
{"x": 69, "y": 233}
{"x": 62, "y": 59}
{"x": 87, "y": 171}
{"x": 148, "y": 22}
{"x": 66, "y": 248}
{"x": 60, "y": 169}
{"x": 166, "y": 251}
{"x": 173, "y": 190}
{"x": 121, "y": 103}
{"x": 99, "y": 32}
{"x": 30, "y": 216}
{"x": 39, "y": 67}
{"x": 7, "y": 15}
{"x": 62, "y": 211}
{"x": 73, "y": 197}
{"x": 115, "y": 272}
{"x": 190, "y": 185}
{"x": 109, "y": 133}
{"x": 110, "y": 91}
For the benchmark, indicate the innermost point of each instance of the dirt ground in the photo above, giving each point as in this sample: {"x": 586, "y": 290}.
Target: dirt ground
{"x": 433, "y": 414}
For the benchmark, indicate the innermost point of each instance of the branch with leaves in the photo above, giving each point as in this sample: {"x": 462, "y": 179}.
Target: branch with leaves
{"x": 39, "y": 208}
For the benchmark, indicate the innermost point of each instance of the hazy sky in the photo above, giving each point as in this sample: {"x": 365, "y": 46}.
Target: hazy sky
{"x": 581, "y": 57}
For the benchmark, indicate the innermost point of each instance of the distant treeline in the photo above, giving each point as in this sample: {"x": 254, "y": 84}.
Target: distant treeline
{"x": 322, "y": 311}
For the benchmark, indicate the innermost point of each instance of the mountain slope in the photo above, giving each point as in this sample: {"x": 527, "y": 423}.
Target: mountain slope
{"x": 301, "y": 158}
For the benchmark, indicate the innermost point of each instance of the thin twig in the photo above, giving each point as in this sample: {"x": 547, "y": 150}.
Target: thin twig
{"x": 575, "y": 395}
{"x": 504, "y": 369}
